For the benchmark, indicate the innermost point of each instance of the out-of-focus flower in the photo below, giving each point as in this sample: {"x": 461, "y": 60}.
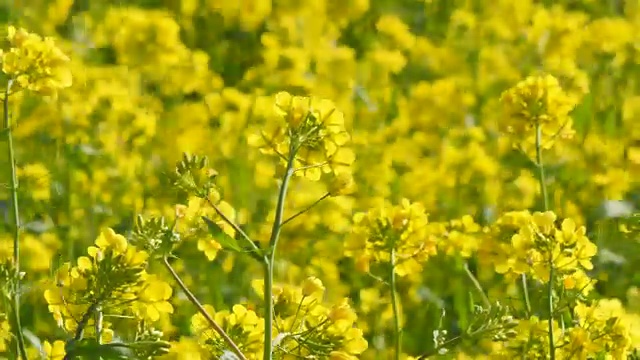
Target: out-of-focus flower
{"x": 34, "y": 63}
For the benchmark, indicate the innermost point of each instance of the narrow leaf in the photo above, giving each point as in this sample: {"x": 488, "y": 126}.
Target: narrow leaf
{"x": 223, "y": 238}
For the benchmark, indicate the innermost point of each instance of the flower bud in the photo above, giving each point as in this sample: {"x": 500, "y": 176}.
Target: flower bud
{"x": 312, "y": 286}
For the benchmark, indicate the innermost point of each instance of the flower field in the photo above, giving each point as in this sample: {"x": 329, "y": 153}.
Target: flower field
{"x": 325, "y": 179}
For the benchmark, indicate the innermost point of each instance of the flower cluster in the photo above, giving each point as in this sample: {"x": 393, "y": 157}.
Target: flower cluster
{"x": 538, "y": 103}
{"x": 306, "y": 326}
{"x": 111, "y": 280}
{"x": 55, "y": 350}
{"x": 190, "y": 224}
{"x": 34, "y": 63}
{"x": 396, "y": 234}
{"x": 458, "y": 236}
{"x": 310, "y": 130}
{"x": 242, "y": 324}
{"x": 524, "y": 243}
{"x": 602, "y": 328}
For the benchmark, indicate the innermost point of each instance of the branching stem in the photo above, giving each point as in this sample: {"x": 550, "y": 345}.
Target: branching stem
{"x": 17, "y": 325}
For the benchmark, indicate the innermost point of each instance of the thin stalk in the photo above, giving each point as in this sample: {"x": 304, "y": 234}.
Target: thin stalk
{"x": 306, "y": 209}
{"x": 552, "y": 347}
{"x": 235, "y": 226}
{"x": 271, "y": 256}
{"x": 395, "y": 304}
{"x": 99, "y": 317}
{"x": 545, "y": 202}
{"x": 79, "y": 333}
{"x": 476, "y": 283}
{"x": 268, "y": 309}
{"x": 525, "y": 294}
{"x": 540, "y": 166}
{"x": 16, "y": 223}
{"x": 84, "y": 321}
{"x": 234, "y": 348}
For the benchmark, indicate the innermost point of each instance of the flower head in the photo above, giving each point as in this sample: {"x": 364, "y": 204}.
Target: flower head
{"x": 538, "y": 102}
{"x": 112, "y": 278}
{"x": 400, "y": 230}
{"x": 35, "y": 63}
{"x": 310, "y": 129}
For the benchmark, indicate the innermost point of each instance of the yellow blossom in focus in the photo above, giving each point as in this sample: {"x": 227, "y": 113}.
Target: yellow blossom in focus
{"x": 311, "y": 128}
{"x": 55, "y": 351}
{"x": 401, "y": 230}
{"x": 538, "y": 102}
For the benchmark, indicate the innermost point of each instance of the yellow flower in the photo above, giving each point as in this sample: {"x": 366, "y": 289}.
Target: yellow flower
{"x": 35, "y": 63}
{"x": 245, "y": 326}
{"x": 209, "y": 247}
{"x": 354, "y": 341}
{"x": 401, "y": 228}
{"x": 35, "y": 178}
{"x": 533, "y": 240}
{"x": 313, "y": 287}
{"x": 184, "y": 349}
{"x": 55, "y": 351}
{"x": 109, "y": 239}
{"x": 544, "y": 222}
{"x": 342, "y": 184}
{"x": 342, "y": 312}
{"x": 293, "y": 108}
{"x": 396, "y": 30}
{"x": 538, "y": 102}
{"x": 313, "y": 129}
{"x": 153, "y": 299}
{"x": 5, "y": 335}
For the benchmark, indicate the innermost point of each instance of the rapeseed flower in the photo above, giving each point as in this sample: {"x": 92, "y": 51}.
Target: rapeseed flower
{"x": 34, "y": 63}
{"x": 399, "y": 229}
{"x": 310, "y": 129}
{"x": 538, "y": 102}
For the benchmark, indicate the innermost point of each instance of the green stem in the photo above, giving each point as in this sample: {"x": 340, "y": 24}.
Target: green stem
{"x": 525, "y": 294}
{"x": 271, "y": 256}
{"x": 217, "y": 328}
{"x": 395, "y": 304}
{"x": 99, "y": 317}
{"x": 85, "y": 320}
{"x": 235, "y": 226}
{"x": 552, "y": 348}
{"x": 306, "y": 209}
{"x": 541, "y": 175}
{"x": 16, "y": 224}
{"x": 79, "y": 333}
{"x": 476, "y": 283}
{"x": 545, "y": 202}
{"x": 268, "y": 309}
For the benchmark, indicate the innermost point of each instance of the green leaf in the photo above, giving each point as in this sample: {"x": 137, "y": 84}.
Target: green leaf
{"x": 223, "y": 238}
{"x": 149, "y": 348}
{"x": 90, "y": 349}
